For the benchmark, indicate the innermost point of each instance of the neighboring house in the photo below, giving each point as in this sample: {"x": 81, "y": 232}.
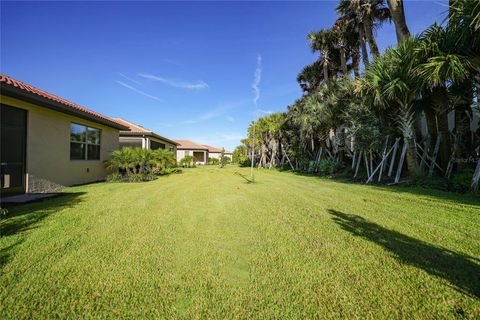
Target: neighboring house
{"x": 141, "y": 137}
{"x": 48, "y": 142}
{"x": 214, "y": 152}
{"x": 189, "y": 148}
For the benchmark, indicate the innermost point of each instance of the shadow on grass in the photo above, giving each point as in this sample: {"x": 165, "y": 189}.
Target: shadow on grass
{"x": 461, "y": 271}
{"x": 21, "y": 218}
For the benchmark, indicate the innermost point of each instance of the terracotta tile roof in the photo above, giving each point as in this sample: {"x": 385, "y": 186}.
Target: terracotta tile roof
{"x": 25, "y": 89}
{"x": 215, "y": 149}
{"x": 136, "y": 129}
{"x": 187, "y": 144}
{"x": 132, "y": 126}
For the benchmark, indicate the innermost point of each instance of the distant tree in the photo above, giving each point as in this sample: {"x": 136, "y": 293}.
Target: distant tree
{"x": 223, "y": 159}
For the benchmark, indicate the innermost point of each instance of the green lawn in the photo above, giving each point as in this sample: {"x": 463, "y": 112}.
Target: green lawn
{"x": 205, "y": 244}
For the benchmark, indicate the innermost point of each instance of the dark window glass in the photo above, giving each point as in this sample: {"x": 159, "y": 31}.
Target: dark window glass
{"x": 77, "y": 151}
{"x": 156, "y": 145}
{"x": 93, "y": 152}
{"x": 84, "y": 142}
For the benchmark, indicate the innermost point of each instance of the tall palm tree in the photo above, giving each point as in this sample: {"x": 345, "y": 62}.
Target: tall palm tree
{"x": 322, "y": 42}
{"x": 393, "y": 85}
{"x": 347, "y": 12}
{"x": 340, "y": 30}
{"x": 398, "y": 16}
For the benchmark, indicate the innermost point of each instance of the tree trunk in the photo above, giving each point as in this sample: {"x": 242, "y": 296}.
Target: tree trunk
{"x": 398, "y": 17}
{"x": 441, "y": 109}
{"x": 325, "y": 67}
{"x": 343, "y": 60}
{"x": 370, "y": 37}
{"x": 412, "y": 163}
{"x": 363, "y": 46}
{"x": 462, "y": 124}
{"x": 356, "y": 62}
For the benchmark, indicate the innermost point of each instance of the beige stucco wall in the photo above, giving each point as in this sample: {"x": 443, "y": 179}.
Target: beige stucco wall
{"x": 217, "y": 155}
{"x": 48, "y": 149}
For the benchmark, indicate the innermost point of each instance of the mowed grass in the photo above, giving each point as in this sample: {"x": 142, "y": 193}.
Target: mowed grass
{"x": 205, "y": 244}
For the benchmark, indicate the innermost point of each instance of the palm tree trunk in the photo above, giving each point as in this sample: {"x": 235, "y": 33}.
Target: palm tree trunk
{"x": 440, "y": 106}
{"x": 398, "y": 16}
{"x": 370, "y": 37}
{"x": 356, "y": 62}
{"x": 325, "y": 68}
{"x": 412, "y": 163}
{"x": 343, "y": 60}
{"x": 363, "y": 46}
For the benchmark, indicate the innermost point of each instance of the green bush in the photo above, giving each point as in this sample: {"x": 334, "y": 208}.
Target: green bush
{"x": 213, "y": 161}
{"x": 461, "y": 181}
{"x": 244, "y": 161}
{"x": 188, "y": 162}
{"x": 115, "y": 177}
{"x": 137, "y": 164}
{"x": 329, "y": 167}
{"x": 141, "y": 177}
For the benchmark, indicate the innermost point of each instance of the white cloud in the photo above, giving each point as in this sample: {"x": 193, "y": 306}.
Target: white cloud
{"x": 138, "y": 91}
{"x": 256, "y": 79}
{"x": 130, "y": 79}
{"x": 230, "y": 118}
{"x": 199, "y": 84}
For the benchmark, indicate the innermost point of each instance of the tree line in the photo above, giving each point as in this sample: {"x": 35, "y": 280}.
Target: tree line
{"x": 416, "y": 102}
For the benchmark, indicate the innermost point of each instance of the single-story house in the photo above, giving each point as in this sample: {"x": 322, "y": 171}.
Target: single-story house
{"x": 142, "y": 137}
{"x": 48, "y": 142}
{"x": 189, "y": 148}
{"x": 214, "y": 152}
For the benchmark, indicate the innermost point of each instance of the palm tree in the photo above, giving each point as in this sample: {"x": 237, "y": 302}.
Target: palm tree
{"x": 347, "y": 12}
{"x": 322, "y": 42}
{"x": 398, "y": 16}
{"x": 393, "y": 86}
{"x": 340, "y": 31}
{"x": 367, "y": 14}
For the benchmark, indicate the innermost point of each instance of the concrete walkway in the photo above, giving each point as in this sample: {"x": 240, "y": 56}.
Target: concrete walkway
{"x": 27, "y": 197}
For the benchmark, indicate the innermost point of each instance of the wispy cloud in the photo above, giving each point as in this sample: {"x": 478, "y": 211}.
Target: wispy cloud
{"x": 199, "y": 84}
{"x": 256, "y": 79}
{"x": 166, "y": 125}
{"x": 130, "y": 79}
{"x": 221, "y": 110}
{"x": 138, "y": 91}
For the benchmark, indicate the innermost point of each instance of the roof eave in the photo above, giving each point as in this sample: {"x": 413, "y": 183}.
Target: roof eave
{"x": 147, "y": 133}
{"x": 19, "y": 93}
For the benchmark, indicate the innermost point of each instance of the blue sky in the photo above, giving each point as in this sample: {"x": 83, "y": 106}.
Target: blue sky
{"x": 194, "y": 70}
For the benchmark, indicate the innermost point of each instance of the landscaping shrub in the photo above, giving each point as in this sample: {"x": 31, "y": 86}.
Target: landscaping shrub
{"x": 461, "y": 181}
{"x": 115, "y": 177}
{"x": 329, "y": 167}
{"x": 141, "y": 177}
{"x": 136, "y": 164}
{"x": 213, "y": 161}
{"x": 188, "y": 162}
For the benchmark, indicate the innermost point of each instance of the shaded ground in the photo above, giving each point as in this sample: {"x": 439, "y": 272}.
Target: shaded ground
{"x": 206, "y": 244}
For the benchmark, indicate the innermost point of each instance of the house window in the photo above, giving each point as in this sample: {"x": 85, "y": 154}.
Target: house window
{"x": 84, "y": 142}
{"x": 154, "y": 145}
